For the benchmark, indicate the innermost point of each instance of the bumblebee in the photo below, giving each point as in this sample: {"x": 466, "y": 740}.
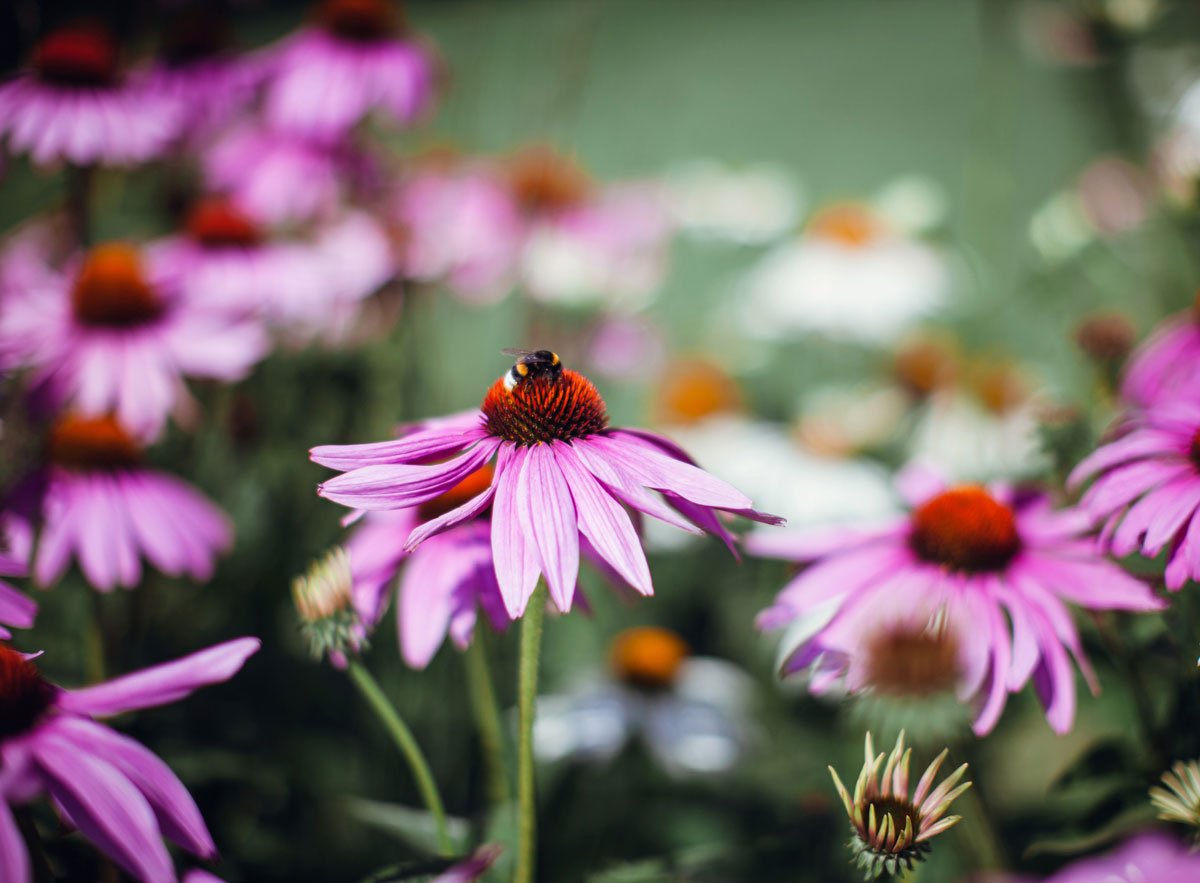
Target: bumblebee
{"x": 532, "y": 363}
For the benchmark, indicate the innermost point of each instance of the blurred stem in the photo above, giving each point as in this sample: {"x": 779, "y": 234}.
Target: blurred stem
{"x": 980, "y": 831}
{"x": 79, "y": 202}
{"x": 93, "y": 639}
{"x": 403, "y": 737}
{"x": 527, "y": 677}
{"x": 487, "y": 719}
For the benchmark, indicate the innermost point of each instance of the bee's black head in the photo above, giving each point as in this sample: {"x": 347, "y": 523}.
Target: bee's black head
{"x": 533, "y": 363}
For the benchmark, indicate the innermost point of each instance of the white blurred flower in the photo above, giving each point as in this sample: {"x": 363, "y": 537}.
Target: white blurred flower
{"x": 752, "y": 205}
{"x": 691, "y": 713}
{"x": 850, "y": 275}
{"x": 968, "y": 441}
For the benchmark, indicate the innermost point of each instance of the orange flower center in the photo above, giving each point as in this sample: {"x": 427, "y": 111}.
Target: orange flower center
{"x": 81, "y": 55}
{"x": 695, "y": 389}
{"x": 467, "y": 489}
{"x": 92, "y": 443}
{"x": 24, "y": 694}
{"x": 111, "y": 290}
{"x": 1000, "y": 389}
{"x": 847, "y": 224}
{"x": 545, "y": 181}
{"x": 362, "y": 21}
{"x": 216, "y": 222}
{"x": 912, "y": 662}
{"x": 648, "y": 658}
{"x": 544, "y": 408}
{"x": 925, "y": 366}
{"x": 965, "y": 529}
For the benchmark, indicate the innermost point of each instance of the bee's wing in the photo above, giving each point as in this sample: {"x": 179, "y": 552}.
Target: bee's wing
{"x": 517, "y": 351}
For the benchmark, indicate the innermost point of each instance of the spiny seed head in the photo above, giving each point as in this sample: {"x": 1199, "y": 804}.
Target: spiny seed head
{"x": 324, "y": 602}
{"x": 544, "y": 408}
{"x": 1178, "y": 799}
{"x": 890, "y": 831}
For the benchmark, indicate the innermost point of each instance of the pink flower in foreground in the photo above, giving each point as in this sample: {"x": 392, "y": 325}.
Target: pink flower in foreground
{"x": 461, "y": 228}
{"x": 75, "y": 105}
{"x": 443, "y": 583}
{"x": 108, "y": 510}
{"x": 472, "y": 867}
{"x": 968, "y": 589}
{"x": 1167, "y": 364}
{"x": 16, "y": 543}
{"x": 354, "y": 61}
{"x": 1147, "y": 488}
{"x": 1148, "y": 858}
{"x": 115, "y": 791}
{"x": 114, "y": 333}
{"x": 560, "y": 474}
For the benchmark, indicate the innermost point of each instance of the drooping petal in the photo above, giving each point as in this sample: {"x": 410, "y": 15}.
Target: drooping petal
{"x": 161, "y": 684}
{"x": 655, "y": 469}
{"x": 547, "y": 508}
{"x": 413, "y": 448}
{"x": 14, "y": 860}
{"x": 514, "y": 555}
{"x": 402, "y": 486}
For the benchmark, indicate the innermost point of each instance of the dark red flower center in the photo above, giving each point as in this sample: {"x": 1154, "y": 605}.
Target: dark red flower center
{"x": 24, "y": 695}
{"x": 111, "y": 290}
{"x": 1194, "y": 451}
{"x": 545, "y": 181}
{"x": 965, "y": 529}
{"x": 216, "y": 222}
{"x": 648, "y": 658}
{"x": 362, "y": 21}
{"x": 467, "y": 489}
{"x": 92, "y": 443}
{"x": 902, "y": 662}
{"x": 901, "y": 811}
{"x": 81, "y": 55}
{"x": 196, "y": 35}
{"x": 544, "y": 408}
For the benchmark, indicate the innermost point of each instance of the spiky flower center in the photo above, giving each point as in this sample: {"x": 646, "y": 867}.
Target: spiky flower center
{"x": 544, "y": 408}
{"x": 467, "y": 489}
{"x": 965, "y": 529}
{"x": 361, "y": 21}
{"x": 695, "y": 389}
{"x": 92, "y": 443}
{"x": 111, "y": 290}
{"x": 80, "y": 55}
{"x": 912, "y": 662}
{"x": 24, "y": 695}
{"x": 848, "y": 224}
{"x": 648, "y": 658}
{"x": 545, "y": 181}
{"x": 217, "y": 223}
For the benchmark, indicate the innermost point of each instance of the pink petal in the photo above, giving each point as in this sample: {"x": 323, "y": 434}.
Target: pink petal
{"x": 515, "y": 557}
{"x": 547, "y": 507}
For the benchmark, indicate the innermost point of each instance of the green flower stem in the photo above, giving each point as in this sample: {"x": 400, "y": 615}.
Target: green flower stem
{"x": 403, "y": 737}
{"x": 527, "y": 677}
{"x": 487, "y": 719}
{"x": 93, "y": 639}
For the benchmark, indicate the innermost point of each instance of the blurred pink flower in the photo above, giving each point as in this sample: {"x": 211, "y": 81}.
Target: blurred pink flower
{"x": 1167, "y": 364}
{"x": 1147, "y": 489}
{"x": 16, "y": 543}
{"x": 473, "y": 867}
{"x": 941, "y": 580}
{"x": 1147, "y": 858}
{"x": 115, "y": 791}
{"x": 75, "y": 104}
{"x": 356, "y": 59}
{"x": 560, "y": 474}
{"x": 106, "y": 508}
{"x": 115, "y": 333}
{"x": 461, "y": 228}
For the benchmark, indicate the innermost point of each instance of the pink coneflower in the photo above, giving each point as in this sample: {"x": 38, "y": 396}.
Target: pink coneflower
{"x": 75, "y": 104}
{"x": 560, "y": 474}
{"x": 926, "y": 599}
{"x": 114, "y": 333}
{"x": 1147, "y": 488}
{"x": 114, "y": 790}
{"x": 443, "y": 583}
{"x": 1167, "y": 364}
{"x": 354, "y": 60}
{"x": 108, "y": 510}
{"x": 1147, "y": 858}
{"x": 462, "y": 229}
{"x": 259, "y": 167}
{"x": 16, "y": 542}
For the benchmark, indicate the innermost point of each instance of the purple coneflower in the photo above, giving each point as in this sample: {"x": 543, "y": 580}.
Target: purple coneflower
{"x": 443, "y": 583}
{"x": 116, "y": 334}
{"x": 16, "y": 543}
{"x": 107, "y": 509}
{"x": 1147, "y": 858}
{"x": 1167, "y": 364}
{"x": 1147, "y": 488}
{"x": 933, "y": 592}
{"x": 560, "y": 474}
{"x": 891, "y": 831}
{"x": 116, "y": 792}
{"x": 355, "y": 59}
{"x": 74, "y": 104}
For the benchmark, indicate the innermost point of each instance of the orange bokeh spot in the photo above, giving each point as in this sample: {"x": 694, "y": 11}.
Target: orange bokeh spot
{"x": 546, "y": 181}
{"x": 648, "y": 657}
{"x": 693, "y": 389}
{"x": 846, "y": 223}
{"x": 217, "y": 223}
